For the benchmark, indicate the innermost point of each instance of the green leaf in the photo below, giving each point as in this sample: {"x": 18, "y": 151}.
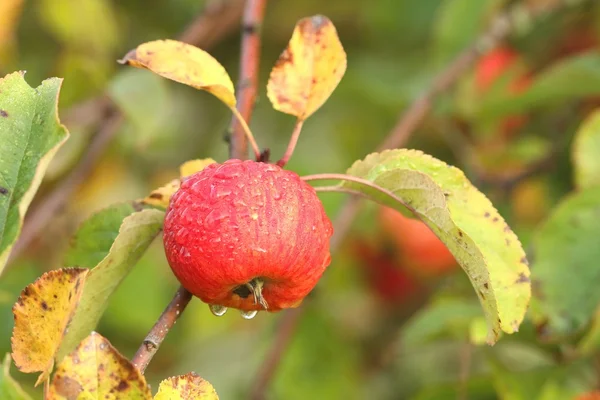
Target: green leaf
{"x": 464, "y": 219}
{"x": 9, "y": 388}
{"x": 30, "y": 133}
{"x": 567, "y": 272}
{"x": 443, "y": 317}
{"x": 586, "y": 152}
{"x": 469, "y": 15}
{"x": 573, "y": 78}
{"x": 135, "y": 235}
{"x": 95, "y": 236}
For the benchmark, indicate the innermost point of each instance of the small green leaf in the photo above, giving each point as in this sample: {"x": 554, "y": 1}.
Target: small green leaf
{"x": 464, "y": 219}
{"x": 96, "y": 370}
{"x": 586, "y": 152}
{"x": 30, "y": 135}
{"x": 567, "y": 271}
{"x": 136, "y": 233}
{"x": 95, "y": 236}
{"x": 9, "y": 388}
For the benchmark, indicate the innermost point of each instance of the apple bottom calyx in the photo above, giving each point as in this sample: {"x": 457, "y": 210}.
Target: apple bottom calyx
{"x": 253, "y": 287}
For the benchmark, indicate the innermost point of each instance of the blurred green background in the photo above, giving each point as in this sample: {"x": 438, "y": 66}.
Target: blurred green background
{"x": 351, "y": 343}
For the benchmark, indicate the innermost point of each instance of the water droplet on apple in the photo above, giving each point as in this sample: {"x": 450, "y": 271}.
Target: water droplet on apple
{"x": 217, "y": 309}
{"x": 248, "y": 314}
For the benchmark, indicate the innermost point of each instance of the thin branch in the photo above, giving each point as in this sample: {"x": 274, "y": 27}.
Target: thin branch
{"x": 248, "y": 80}
{"x": 399, "y": 135}
{"x": 159, "y": 331}
{"x": 219, "y": 18}
{"x": 292, "y": 144}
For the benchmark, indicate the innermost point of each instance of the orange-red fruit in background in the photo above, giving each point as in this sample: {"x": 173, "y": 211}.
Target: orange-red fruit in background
{"x": 247, "y": 235}
{"x": 589, "y": 396}
{"x": 388, "y": 281}
{"x": 420, "y": 248}
{"x": 490, "y": 68}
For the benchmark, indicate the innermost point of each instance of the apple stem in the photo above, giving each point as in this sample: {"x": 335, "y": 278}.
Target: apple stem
{"x": 256, "y": 286}
{"x": 247, "y": 131}
{"x": 292, "y": 144}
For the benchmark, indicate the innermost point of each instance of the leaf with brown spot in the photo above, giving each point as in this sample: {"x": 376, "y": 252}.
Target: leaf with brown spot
{"x": 30, "y": 136}
{"x": 41, "y": 315}
{"x": 309, "y": 69}
{"x": 464, "y": 219}
{"x": 184, "y": 63}
{"x": 160, "y": 197}
{"x": 10, "y": 388}
{"x": 97, "y": 370}
{"x": 184, "y": 387}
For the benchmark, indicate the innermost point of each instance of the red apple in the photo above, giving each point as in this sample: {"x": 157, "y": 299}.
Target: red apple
{"x": 247, "y": 235}
{"x": 420, "y": 248}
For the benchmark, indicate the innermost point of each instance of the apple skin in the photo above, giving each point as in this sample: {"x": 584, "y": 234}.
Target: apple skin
{"x": 420, "y": 249}
{"x": 247, "y": 222}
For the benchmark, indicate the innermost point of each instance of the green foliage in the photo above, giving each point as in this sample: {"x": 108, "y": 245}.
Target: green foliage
{"x": 136, "y": 232}
{"x": 464, "y": 219}
{"x": 565, "y": 264}
{"x": 30, "y": 134}
{"x": 9, "y": 388}
{"x": 94, "y": 238}
{"x": 586, "y": 148}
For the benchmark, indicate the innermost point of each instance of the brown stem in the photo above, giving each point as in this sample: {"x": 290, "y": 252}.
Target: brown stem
{"x": 292, "y": 144}
{"x": 398, "y": 136}
{"x": 248, "y": 80}
{"x": 218, "y": 19}
{"x": 159, "y": 331}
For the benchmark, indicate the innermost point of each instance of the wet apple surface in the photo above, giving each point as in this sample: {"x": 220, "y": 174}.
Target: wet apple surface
{"x": 247, "y": 235}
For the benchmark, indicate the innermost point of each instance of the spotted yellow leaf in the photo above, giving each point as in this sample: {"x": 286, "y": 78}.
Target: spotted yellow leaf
{"x": 184, "y": 63}
{"x": 96, "y": 370}
{"x": 183, "y": 387}
{"x": 41, "y": 315}
{"x": 160, "y": 197}
{"x": 309, "y": 69}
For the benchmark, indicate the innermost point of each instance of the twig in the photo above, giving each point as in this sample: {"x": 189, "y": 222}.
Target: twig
{"x": 248, "y": 79}
{"x": 218, "y": 20}
{"x": 399, "y": 135}
{"x": 159, "y": 331}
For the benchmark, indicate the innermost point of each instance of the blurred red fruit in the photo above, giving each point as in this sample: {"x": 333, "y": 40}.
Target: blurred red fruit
{"x": 490, "y": 69}
{"x": 389, "y": 281}
{"x": 589, "y": 396}
{"x": 420, "y": 248}
{"x": 247, "y": 235}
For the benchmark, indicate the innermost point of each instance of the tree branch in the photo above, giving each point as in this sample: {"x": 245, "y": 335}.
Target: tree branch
{"x": 407, "y": 124}
{"x": 248, "y": 78}
{"x": 219, "y": 19}
{"x": 159, "y": 331}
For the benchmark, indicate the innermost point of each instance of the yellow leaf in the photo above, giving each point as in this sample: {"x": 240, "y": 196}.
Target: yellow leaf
{"x": 160, "y": 197}
{"x": 185, "y": 64}
{"x": 41, "y": 315}
{"x": 309, "y": 69}
{"x": 96, "y": 370}
{"x": 186, "y": 387}
{"x": 191, "y": 167}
